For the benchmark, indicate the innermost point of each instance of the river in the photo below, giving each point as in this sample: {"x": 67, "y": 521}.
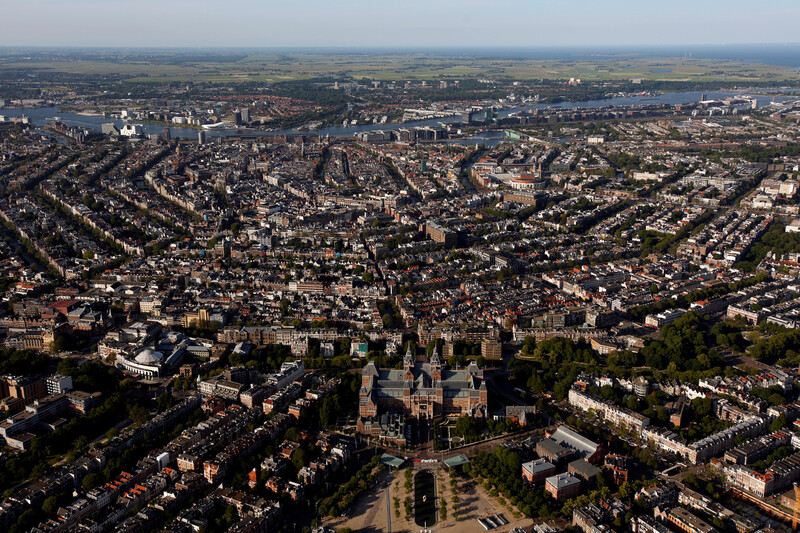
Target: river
{"x": 44, "y": 115}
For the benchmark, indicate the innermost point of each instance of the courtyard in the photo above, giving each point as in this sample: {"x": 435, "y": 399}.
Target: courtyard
{"x": 390, "y": 507}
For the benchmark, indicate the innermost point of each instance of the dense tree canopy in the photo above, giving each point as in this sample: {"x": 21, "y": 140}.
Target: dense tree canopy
{"x": 770, "y": 349}
{"x": 682, "y": 343}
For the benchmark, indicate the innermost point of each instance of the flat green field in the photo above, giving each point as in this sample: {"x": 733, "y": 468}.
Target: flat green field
{"x": 273, "y": 67}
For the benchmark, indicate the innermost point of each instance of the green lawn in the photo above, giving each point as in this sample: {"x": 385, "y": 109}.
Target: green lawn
{"x": 270, "y": 67}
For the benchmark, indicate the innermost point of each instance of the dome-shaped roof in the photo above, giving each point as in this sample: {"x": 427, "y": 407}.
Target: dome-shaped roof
{"x": 148, "y": 356}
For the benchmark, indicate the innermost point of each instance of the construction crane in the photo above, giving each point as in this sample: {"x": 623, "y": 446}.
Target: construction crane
{"x": 796, "y": 507}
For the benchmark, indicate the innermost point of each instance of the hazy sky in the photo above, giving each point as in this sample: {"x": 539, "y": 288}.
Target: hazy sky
{"x": 415, "y": 23}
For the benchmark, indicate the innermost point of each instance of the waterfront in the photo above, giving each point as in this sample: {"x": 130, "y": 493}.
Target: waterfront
{"x": 42, "y": 116}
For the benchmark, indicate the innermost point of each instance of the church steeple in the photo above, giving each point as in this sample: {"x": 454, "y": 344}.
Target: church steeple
{"x": 435, "y": 361}
{"x": 408, "y": 366}
{"x": 408, "y": 360}
{"x": 436, "y": 368}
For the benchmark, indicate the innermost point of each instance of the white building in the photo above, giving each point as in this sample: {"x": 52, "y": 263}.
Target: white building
{"x": 58, "y": 384}
{"x": 662, "y": 319}
{"x": 147, "y": 363}
{"x": 763, "y": 201}
{"x": 290, "y": 371}
{"x": 132, "y": 130}
{"x": 619, "y": 416}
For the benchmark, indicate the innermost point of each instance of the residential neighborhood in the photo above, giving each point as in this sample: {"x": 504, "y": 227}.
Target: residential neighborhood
{"x": 378, "y": 305}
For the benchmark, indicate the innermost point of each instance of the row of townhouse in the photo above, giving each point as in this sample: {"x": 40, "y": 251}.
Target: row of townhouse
{"x": 711, "y": 446}
{"x": 619, "y": 416}
{"x": 747, "y": 425}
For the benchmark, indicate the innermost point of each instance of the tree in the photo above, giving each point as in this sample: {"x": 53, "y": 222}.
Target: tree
{"x": 165, "y": 401}
{"x": 632, "y": 403}
{"x": 230, "y": 516}
{"x": 467, "y": 427}
{"x": 60, "y": 344}
{"x": 600, "y": 480}
{"x": 293, "y": 434}
{"x": 92, "y": 480}
{"x": 328, "y": 411}
{"x": 138, "y": 414}
{"x": 25, "y": 522}
{"x": 608, "y": 392}
{"x": 647, "y": 457}
{"x": 67, "y": 367}
{"x": 626, "y": 490}
{"x": 299, "y": 458}
{"x": 776, "y": 399}
{"x": 778, "y": 424}
{"x": 39, "y": 470}
{"x": 80, "y": 443}
{"x": 50, "y": 505}
{"x": 528, "y": 345}
{"x": 344, "y": 346}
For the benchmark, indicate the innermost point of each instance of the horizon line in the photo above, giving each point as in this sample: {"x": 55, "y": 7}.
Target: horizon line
{"x": 388, "y": 46}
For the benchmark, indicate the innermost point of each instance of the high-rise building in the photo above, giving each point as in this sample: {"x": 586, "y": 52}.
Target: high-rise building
{"x": 25, "y": 388}
{"x": 58, "y": 384}
{"x": 245, "y": 114}
{"x": 166, "y": 134}
{"x": 237, "y": 117}
{"x": 201, "y": 137}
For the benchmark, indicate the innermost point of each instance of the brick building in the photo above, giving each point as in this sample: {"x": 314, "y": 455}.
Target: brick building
{"x": 423, "y": 390}
{"x": 538, "y": 470}
{"x": 563, "y": 486}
